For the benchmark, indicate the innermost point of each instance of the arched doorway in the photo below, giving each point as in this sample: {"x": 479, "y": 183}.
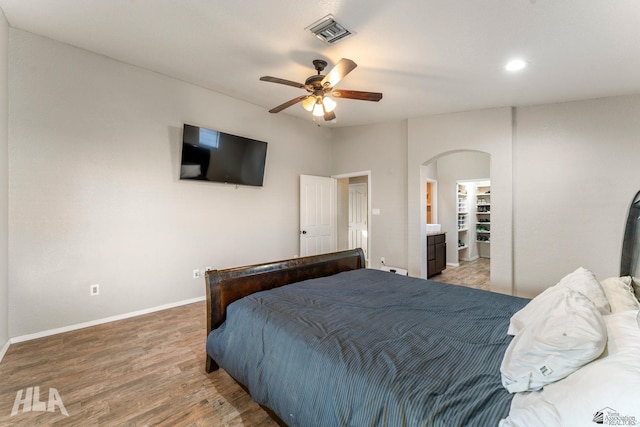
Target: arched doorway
{"x": 460, "y": 176}
{"x": 489, "y": 131}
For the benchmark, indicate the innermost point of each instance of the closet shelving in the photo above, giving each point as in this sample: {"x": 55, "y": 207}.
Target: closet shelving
{"x": 483, "y": 219}
{"x": 463, "y": 217}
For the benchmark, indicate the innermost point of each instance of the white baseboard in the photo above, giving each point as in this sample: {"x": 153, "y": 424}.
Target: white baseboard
{"x": 69, "y": 328}
{"x": 4, "y": 349}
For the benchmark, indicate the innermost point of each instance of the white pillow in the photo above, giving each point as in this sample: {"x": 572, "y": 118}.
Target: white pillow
{"x": 581, "y": 280}
{"x": 620, "y": 294}
{"x": 585, "y": 282}
{"x": 569, "y": 335}
{"x": 607, "y": 387}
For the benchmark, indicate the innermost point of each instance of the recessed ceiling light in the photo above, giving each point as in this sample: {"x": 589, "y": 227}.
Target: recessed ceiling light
{"x": 515, "y": 65}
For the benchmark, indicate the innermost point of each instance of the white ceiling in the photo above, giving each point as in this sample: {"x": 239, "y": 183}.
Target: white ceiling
{"x": 425, "y": 56}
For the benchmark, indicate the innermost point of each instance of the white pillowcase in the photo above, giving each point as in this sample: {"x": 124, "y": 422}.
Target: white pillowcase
{"x": 582, "y": 281}
{"x": 619, "y": 292}
{"x": 568, "y": 335}
{"x": 609, "y": 385}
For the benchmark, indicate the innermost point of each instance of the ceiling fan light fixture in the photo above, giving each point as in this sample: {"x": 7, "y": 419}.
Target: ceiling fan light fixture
{"x": 319, "y": 101}
{"x": 309, "y": 102}
{"x": 318, "y": 111}
{"x": 329, "y": 104}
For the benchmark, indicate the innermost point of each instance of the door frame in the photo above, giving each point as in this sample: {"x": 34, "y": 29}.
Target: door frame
{"x": 366, "y": 173}
{"x": 434, "y": 199}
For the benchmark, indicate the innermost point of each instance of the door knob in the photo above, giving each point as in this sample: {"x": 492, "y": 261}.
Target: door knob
{"x": 303, "y": 232}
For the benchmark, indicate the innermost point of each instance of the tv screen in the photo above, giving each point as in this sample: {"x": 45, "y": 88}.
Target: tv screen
{"x": 210, "y": 155}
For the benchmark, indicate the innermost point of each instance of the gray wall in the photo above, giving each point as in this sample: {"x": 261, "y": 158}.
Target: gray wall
{"x": 94, "y": 194}
{"x": 575, "y": 173}
{"x": 381, "y": 149}
{"x": 4, "y": 173}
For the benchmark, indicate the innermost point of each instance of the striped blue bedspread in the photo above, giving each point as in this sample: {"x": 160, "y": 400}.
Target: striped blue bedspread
{"x": 370, "y": 348}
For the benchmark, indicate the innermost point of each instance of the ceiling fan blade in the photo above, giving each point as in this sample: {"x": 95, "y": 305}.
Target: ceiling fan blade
{"x": 282, "y": 81}
{"x": 287, "y": 104}
{"x": 338, "y": 72}
{"x": 356, "y": 94}
{"x": 329, "y": 115}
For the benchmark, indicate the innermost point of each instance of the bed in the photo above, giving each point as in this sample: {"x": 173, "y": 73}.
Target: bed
{"x": 324, "y": 341}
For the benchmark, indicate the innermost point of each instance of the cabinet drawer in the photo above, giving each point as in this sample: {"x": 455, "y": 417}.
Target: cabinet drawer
{"x": 435, "y": 239}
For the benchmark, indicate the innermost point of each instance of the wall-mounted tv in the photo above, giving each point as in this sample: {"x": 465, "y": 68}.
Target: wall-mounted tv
{"x": 211, "y": 155}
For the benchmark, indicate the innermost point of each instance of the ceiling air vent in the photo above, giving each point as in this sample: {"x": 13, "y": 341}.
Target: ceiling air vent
{"x": 328, "y": 30}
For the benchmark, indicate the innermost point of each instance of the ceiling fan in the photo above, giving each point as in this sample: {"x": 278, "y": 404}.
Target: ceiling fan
{"x": 320, "y": 87}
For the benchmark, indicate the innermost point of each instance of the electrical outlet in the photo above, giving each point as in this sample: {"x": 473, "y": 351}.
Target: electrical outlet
{"x": 94, "y": 290}
{"x": 196, "y": 273}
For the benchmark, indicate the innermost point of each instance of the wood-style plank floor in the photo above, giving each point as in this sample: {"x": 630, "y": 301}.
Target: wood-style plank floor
{"x": 474, "y": 274}
{"x": 147, "y": 370}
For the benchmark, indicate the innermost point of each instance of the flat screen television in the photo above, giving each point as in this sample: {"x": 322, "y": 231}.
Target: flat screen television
{"x": 211, "y": 155}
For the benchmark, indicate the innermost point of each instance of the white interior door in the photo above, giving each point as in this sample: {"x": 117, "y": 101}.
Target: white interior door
{"x": 318, "y": 215}
{"x": 358, "y": 217}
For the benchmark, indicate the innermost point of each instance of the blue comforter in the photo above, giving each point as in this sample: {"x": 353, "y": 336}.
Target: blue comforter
{"x": 370, "y": 348}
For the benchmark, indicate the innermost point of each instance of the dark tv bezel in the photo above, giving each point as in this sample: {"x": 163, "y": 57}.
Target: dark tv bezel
{"x": 232, "y": 181}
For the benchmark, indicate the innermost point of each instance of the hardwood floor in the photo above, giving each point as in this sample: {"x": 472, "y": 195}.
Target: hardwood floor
{"x": 474, "y": 274}
{"x": 147, "y": 370}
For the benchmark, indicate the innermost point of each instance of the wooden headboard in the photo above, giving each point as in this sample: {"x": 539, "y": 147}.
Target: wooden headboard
{"x": 227, "y": 286}
{"x": 631, "y": 241}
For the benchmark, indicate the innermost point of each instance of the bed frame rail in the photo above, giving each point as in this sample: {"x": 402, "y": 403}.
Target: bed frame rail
{"x": 227, "y": 286}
